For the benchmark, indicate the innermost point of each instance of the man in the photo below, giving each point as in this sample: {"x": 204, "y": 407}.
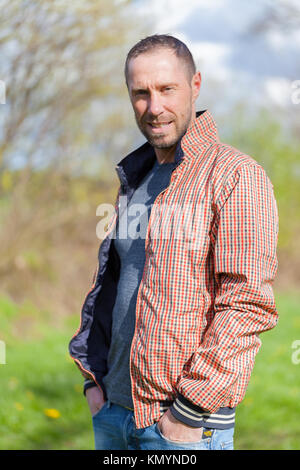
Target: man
{"x": 169, "y": 330}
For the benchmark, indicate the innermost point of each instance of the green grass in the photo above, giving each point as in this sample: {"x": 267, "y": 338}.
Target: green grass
{"x": 39, "y": 375}
{"x": 268, "y": 417}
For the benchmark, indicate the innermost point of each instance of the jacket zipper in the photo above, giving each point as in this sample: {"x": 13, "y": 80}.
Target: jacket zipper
{"x": 112, "y": 224}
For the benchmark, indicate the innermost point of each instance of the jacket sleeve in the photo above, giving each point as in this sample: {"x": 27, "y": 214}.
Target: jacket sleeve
{"x": 244, "y": 243}
{"x": 88, "y": 384}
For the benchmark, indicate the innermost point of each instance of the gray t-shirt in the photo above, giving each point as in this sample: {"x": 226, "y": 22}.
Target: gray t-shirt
{"x": 130, "y": 245}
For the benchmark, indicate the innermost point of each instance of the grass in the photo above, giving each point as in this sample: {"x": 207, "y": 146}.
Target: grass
{"x": 39, "y": 376}
{"x": 268, "y": 417}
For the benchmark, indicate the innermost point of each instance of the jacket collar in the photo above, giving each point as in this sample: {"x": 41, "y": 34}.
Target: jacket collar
{"x": 202, "y": 133}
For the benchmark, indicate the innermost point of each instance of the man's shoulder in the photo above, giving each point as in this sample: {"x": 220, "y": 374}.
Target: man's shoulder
{"x": 229, "y": 164}
{"x": 229, "y": 159}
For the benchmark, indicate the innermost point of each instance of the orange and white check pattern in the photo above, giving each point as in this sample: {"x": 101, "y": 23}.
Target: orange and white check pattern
{"x": 202, "y": 305}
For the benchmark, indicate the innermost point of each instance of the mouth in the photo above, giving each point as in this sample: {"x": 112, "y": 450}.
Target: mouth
{"x": 159, "y": 126}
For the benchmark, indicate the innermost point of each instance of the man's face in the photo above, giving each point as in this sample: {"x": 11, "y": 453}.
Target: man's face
{"x": 162, "y": 96}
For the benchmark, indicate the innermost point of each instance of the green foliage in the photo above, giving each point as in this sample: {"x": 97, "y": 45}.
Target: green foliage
{"x": 9, "y": 311}
{"x": 64, "y": 63}
{"x": 265, "y": 139}
{"x": 39, "y": 377}
{"x": 267, "y": 418}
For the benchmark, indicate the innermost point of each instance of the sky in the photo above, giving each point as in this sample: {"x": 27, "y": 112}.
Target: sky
{"x": 239, "y": 56}
{"x": 243, "y": 54}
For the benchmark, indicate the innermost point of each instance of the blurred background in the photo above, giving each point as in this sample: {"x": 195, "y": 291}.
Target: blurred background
{"x": 65, "y": 121}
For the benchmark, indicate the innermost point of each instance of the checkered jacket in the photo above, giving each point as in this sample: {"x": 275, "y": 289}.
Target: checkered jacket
{"x": 206, "y": 291}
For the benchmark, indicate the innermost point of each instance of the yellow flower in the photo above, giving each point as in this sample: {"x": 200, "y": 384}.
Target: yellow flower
{"x": 52, "y": 413}
{"x": 19, "y": 406}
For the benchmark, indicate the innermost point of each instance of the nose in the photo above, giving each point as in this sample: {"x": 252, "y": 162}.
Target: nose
{"x": 155, "y": 105}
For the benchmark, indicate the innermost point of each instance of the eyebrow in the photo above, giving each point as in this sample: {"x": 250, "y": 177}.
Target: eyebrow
{"x": 165, "y": 85}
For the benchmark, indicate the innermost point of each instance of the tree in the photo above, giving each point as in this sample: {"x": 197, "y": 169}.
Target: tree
{"x": 66, "y": 114}
{"x": 62, "y": 63}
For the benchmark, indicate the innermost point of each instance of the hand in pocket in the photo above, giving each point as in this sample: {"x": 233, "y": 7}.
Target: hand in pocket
{"x": 95, "y": 399}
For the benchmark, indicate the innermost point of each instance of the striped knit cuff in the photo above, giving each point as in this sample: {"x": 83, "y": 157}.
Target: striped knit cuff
{"x": 195, "y": 416}
{"x": 88, "y": 384}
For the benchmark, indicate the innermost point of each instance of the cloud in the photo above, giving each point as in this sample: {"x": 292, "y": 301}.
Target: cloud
{"x": 230, "y": 39}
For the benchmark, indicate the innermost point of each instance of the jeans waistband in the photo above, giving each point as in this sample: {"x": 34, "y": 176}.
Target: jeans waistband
{"x": 164, "y": 405}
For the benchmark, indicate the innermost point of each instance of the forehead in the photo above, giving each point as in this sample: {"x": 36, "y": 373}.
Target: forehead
{"x": 156, "y": 66}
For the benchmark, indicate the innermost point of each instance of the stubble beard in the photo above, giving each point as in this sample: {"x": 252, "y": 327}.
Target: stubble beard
{"x": 155, "y": 140}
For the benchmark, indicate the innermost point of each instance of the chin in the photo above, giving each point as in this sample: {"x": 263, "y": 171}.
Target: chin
{"x": 163, "y": 144}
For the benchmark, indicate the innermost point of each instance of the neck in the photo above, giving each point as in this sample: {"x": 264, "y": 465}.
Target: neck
{"x": 165, "y": 155}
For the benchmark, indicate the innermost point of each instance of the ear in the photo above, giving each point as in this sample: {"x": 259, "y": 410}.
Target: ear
{"x": 196, "y": 85}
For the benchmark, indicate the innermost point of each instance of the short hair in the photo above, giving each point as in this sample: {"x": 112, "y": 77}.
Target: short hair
{"x": 160, "y": 41}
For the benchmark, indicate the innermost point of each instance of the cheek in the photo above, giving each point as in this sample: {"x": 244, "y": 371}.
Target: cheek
{"x": 178, "y": 105}
{"x": 140, "y": 109}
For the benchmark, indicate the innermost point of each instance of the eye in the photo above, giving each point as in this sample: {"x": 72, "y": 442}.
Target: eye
{"x": 168, "y": 88}
{"x": 140, "y": 92}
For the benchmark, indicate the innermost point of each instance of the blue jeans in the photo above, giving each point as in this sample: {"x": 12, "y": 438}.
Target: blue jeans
{"x": 114, "y": 429}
